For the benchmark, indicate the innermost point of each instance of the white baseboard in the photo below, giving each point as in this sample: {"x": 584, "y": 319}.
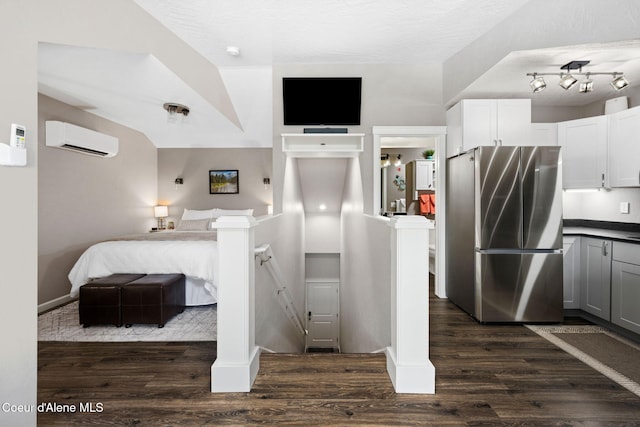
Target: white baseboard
{"x": 54, "y": 303}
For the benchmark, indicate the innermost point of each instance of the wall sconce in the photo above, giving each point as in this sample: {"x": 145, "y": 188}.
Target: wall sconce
{"x": 266, "y": 182}
{"x": 384, "y": 161}
{"x": 398, "y": 162}
{"x": 179, "y": 181}
{"x": 161, "y": 212}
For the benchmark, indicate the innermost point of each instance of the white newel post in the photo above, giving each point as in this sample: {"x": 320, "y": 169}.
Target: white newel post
{"x": 238, "y": 359}
{"x": 408, "y": 362}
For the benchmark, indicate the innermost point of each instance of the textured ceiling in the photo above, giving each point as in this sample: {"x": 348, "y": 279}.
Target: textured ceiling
{"x": 130, "y": 88}
{"x": 330, "y": 31}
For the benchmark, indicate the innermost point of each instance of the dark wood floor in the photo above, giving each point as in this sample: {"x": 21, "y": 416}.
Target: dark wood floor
{"x": 485, "y": 376}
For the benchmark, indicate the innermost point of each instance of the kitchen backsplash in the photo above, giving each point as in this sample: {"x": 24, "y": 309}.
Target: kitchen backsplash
{"x": 603, "y": 205}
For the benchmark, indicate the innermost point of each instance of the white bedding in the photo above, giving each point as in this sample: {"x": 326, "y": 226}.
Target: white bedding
{"x": 196, "y": 259}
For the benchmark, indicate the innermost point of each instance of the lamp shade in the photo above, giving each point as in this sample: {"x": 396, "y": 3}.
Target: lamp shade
{"x": 161, "y": 211}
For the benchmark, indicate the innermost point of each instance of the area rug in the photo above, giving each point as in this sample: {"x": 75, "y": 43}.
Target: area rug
{"x": 608, "y": 353}
{"x": 197, "y": 323}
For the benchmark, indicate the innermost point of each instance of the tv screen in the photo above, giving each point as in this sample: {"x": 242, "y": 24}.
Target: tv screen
{"x": 321, "y": 100}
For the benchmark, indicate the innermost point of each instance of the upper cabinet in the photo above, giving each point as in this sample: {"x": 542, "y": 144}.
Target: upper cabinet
{"x": 473, "y": 123}
{"x": 424, "y": 174}
{"x": 584, "y": 152}
{"x": 624, "y": 148}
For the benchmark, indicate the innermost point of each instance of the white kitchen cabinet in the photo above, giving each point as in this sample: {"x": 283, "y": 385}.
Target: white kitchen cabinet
{"x": 544, "y": 134}
{"x": 595, "y": 275}
{"x": 584, "y": 152}
{"x": 473, "y": 123}
{"x": 624, "y": 148}
{"x": 421, "y": 173}
{"x": 625, "y": 286}
{"x": 571, "y": 271}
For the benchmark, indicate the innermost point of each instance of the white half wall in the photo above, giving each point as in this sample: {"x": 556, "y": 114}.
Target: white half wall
{"x": 274, "y": 331}
{"x": 364, "y": 272}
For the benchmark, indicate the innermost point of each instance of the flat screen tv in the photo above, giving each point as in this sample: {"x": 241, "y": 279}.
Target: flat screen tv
{"x": 321, "y": 100}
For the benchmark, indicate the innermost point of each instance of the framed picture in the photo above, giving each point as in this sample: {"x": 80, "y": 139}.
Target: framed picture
{"x": 224, "y": 182}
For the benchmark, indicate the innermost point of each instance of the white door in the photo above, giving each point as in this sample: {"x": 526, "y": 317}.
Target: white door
{"x": 323, "y": 321}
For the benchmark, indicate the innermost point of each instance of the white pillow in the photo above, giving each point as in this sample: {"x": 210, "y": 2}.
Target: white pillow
{"x": 194, "y": 224}
{"x": 232, "y": 212}
{"x": 190, "y": 214}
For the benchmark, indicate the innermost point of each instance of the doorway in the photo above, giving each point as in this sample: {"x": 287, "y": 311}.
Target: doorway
{"x": 392, "y": 138}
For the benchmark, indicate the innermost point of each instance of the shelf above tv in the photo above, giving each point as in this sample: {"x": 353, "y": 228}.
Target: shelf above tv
{"x": 322, "y": 145}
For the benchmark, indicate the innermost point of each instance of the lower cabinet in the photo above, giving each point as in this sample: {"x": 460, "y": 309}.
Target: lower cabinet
{"x": 595, "y": 266}
{"x": 571, "y": 271}
{"x": 625, "y": 286}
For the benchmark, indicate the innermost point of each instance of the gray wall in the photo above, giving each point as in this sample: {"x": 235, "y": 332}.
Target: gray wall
{"x": 193, "y": 166}
{"x": 408, "y": 154}
{"x": 18, "y": 215}
{"x": 83, "y": 199}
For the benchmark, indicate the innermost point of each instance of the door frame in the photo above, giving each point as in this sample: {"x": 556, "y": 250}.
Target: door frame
{"x": 439, "y": 133}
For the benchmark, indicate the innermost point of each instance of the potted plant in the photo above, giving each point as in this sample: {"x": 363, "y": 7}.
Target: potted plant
{"x": 428, "y": 154}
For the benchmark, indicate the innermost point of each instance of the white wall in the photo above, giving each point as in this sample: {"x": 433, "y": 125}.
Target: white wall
{"x": 322, "y": 232}
{"x": 602, "y": 205}
{"x": 273, "y": 329}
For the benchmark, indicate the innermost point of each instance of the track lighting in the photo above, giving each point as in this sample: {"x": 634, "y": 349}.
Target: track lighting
{"x": 568, "y": 79}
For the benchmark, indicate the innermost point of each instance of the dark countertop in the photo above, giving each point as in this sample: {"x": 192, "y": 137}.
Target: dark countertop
{"x": 619, "y": 231}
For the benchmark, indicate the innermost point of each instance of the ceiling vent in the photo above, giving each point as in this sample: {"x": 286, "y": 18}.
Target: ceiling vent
{"x": 79, "y": 139}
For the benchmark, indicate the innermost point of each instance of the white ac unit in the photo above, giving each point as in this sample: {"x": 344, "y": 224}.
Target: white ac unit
{"x": 76, "y": 138}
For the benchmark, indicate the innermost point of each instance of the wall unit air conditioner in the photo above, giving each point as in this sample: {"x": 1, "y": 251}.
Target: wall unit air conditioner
{"x": 76, "y": 138}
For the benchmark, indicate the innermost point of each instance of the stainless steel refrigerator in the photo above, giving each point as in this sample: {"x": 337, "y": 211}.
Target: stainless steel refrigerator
{"x": 504, "y": 233}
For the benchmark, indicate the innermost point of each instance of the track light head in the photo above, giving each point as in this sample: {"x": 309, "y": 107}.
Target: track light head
{"x": 586, "y": 85}
{"x": 619, "y": 83}
{"x": 537, "y": 84}
{"x": 567, "y": 81}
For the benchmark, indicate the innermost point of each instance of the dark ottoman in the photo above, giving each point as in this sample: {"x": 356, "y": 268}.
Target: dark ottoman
{"x": 154, "y": 298}
{"x": 100, "y": 300}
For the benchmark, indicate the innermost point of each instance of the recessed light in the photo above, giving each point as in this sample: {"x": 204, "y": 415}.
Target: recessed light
{"x": 233, "y": 50}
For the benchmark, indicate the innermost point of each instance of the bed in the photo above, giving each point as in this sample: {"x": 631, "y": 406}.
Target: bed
{"x": 191, "y": 250}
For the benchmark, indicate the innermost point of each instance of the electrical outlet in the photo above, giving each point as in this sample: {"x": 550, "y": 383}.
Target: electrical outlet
{"x": 625, "y": 207}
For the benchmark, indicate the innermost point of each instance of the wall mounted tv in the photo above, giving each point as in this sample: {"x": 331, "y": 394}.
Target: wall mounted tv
{"x": 321, "y": 100}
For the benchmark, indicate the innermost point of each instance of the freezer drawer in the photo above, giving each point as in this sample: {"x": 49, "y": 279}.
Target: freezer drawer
{"x": 518, "y": 287}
